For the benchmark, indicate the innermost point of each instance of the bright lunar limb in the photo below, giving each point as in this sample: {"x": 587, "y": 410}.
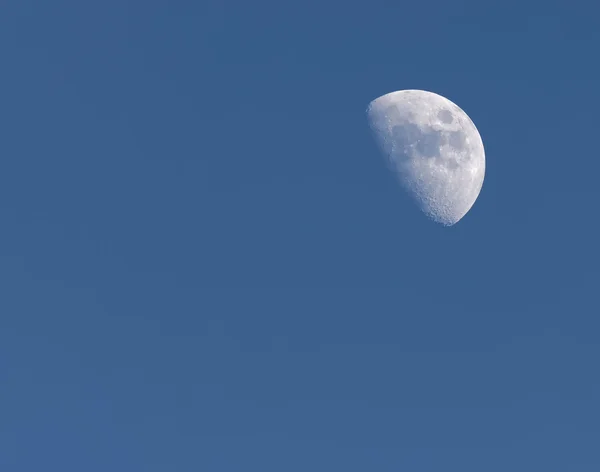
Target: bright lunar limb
{"x": 433, "y": 147}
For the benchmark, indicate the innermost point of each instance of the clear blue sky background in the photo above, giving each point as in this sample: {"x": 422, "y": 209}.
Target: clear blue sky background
{"x": 205, "y": 264}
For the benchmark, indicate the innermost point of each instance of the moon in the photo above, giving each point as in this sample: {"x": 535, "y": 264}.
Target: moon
{"x": 433, "y": 147}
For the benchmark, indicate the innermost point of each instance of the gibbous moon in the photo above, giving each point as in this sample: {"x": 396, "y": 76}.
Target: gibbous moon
{"x": 433, "y": 147}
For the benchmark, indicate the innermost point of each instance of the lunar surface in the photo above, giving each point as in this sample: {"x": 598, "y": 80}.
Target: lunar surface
{"x": 433, "y": 147}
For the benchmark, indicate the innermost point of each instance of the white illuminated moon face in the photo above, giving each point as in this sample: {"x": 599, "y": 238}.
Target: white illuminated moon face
{"x": 434, "y": 148}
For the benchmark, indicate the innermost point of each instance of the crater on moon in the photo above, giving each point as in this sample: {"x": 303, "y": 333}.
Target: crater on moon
{"x": 445, "y": 116}
{"x": 434, "y": 148}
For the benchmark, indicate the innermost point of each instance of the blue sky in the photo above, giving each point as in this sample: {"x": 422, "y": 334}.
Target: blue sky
{"x": 206, "y": 265}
